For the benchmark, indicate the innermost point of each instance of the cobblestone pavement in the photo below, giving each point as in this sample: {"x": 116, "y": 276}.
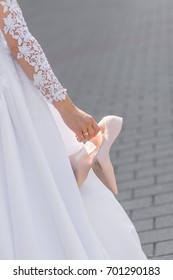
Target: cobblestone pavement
{"x": 116, "y": 57}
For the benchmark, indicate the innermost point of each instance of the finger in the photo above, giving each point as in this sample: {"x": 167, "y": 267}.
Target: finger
{"x": 85, "y": 133}
{"x": 80, "y": 137}
{"x": 95, "y": 127}
{"x": 91, "y": 132}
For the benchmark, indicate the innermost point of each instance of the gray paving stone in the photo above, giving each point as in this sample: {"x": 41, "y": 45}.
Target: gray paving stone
{"x": 163, "y": 257}
{"x": 137, "y": 203}
{"x": 156, "y": 155}
{"x": 164, "y": 161}
{"x": 164, "y": 234}
{"x": 126, "y": 167}
{"x": 166, "y": 145}
{"x": 148, "y": 250}
{"x": 159, "y": 171}
{"x": 156, "y": 140}
{"x": 164, "y": 198}
{"x": 152, "y": 211}
{"x": 153, "y": 190}
{"x": 139, "y": 183}
{"x": 164, "y": 221}
{"x": 125, "y": 161}
{"x": 126, "y": 176}
{"x": 165, "y": 178}
{"x": 144, "y": 225}
{"x": 140, "y": 150}
{"x": 164, "y": 248}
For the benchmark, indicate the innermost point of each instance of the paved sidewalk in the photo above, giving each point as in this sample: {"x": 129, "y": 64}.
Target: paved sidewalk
{"x": 116, "y": 57}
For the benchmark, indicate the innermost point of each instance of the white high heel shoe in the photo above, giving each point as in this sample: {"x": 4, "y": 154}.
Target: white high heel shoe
{"x": 101, "y": 164}
{"x": 95, "y": 154}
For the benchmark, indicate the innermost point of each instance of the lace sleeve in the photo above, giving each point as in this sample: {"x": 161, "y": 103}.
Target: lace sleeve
{"x": 15, "y": 29}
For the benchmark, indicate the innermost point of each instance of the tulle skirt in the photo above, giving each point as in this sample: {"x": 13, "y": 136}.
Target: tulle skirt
{"x": 43, "y": 213}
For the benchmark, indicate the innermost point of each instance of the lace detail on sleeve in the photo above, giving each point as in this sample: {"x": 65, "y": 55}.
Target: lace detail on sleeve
{"x": 29, "y": 49}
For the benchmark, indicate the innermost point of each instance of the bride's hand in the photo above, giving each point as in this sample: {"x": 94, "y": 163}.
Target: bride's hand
{"x": 81, "y": 123}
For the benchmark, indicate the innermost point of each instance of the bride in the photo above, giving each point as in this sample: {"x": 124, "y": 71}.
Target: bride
{"x": 57, "y": 183}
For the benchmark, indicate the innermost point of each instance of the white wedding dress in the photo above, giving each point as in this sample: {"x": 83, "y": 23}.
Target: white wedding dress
{"x": 43, "y": 213}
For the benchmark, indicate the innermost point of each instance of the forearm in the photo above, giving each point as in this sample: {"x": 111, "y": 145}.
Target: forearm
{"x": 63, "y": 106}
{"x": 27, "y": 68}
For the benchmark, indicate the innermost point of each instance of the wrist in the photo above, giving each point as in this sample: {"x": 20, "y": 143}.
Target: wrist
{"x": 64, "y": 106}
